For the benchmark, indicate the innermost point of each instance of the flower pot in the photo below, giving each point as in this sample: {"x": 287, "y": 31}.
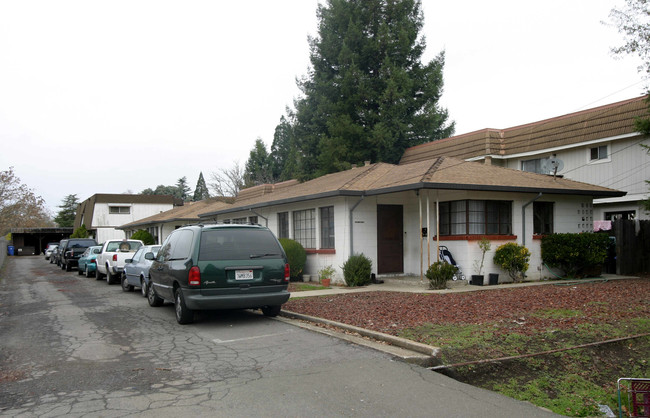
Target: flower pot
{"x": 306, "y": 278}
{"x": 477, "y": 280}
{"x": 325, "y": 282}
{"x": 493, "y": 279}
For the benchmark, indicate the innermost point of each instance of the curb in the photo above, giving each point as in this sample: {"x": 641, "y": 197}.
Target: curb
{"x": 427, "y": 350}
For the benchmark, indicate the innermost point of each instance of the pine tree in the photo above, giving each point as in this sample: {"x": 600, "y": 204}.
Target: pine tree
{"x": 368, "y": 96}
{"x": 182, "y": 189}
{"x": 201, "y": 191}
{"x": 258, "y": 166}
{"x": 65, "y": 217}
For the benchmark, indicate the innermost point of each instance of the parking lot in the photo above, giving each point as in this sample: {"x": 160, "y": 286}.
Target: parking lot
{"x": 75, "y": 346}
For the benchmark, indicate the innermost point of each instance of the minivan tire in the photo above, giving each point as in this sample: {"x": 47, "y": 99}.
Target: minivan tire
{"x": 184, "y": 315}
{"x": 153, "y": 299}
{"x": 271, "y": 311}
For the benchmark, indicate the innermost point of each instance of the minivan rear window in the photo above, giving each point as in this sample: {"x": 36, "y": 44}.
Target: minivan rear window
{"x": 238, "y": 244}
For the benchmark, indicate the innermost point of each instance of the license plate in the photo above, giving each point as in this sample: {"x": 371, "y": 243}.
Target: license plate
{"x": 243, "y": 274}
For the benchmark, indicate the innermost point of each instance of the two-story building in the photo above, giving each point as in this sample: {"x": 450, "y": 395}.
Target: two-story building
{"x": 102, "y": 214}
{"x": 598, "y": 146}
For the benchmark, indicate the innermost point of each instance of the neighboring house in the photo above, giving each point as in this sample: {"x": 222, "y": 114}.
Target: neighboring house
{"x": 598, "y": 146}
{"x": 102, "y": 214}
{"x": 385, "y": 211}
{"x": 162, "y": 224}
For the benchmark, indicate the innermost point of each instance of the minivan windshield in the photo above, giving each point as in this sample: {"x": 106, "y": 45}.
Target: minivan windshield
{"x": 238, "y": 244}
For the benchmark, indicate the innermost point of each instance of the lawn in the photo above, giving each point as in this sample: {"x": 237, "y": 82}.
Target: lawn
{"x": 505, "y": 322}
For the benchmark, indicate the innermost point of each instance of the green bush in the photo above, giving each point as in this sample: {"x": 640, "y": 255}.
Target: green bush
{"x": 575, "y": 254}
{"x": 80, "y": 232}
{"x": 144, "y": 236}
{"x": 297, "y": 257}
{"x": 438, "y": 273}
{"x": 356, "y": 271}
{"x": 513, "y": 258}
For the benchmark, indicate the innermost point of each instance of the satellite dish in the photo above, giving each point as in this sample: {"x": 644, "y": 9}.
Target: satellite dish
{"x": 556, "y": 165}
{"x": 544, "y": 166}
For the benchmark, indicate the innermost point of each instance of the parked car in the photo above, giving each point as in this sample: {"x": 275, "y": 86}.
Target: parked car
{"x": 86, "y": 263}
{"x": 49, "y": 249}
{"x": 110, "y": 261}
{"x": 72, "y": 250}
{"x": 57, "y": 253}
{"x": 221, "y": 266}
{"x": 136, "y": 269}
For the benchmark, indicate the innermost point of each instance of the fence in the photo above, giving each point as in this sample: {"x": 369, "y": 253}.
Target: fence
{"x": 632, "y": 246}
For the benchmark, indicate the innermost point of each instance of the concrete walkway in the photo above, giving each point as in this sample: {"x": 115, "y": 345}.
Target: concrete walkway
{"x": 413, "y": 284}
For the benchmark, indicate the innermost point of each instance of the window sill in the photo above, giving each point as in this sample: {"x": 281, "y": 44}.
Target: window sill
{"x": 476, "y": 237}
{"x": 321, "y": 251}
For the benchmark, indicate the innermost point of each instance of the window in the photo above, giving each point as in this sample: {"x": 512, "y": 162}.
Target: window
{"x": 283, "y": 225}
{"x": 239, "y": 221}
{"x": 473, "y": 217}
{"x": 153, "y": 230}
{"x": 119, "y": 210}
{"x": 626, "y": 214}
{"x": 252, "y": 219}
{"x": 599, "y": 153}
{"x": 327, "y": 227}
{"x": 532, "y": 166}
{"x": 542, "y": 218}
{"x": 304, "y": 227}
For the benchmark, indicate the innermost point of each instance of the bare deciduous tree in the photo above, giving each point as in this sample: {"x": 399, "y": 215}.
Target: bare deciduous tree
{"x": 227, "y": 182}
{"x": 19, "y": 206}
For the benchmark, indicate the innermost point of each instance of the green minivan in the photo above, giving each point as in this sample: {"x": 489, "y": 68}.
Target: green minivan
{"x": 220, "y": 266}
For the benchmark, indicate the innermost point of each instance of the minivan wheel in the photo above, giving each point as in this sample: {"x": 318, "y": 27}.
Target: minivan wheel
{"x": 183, "y": 314}
{"x": 152, "y": 297}
{"x": 271, "y": 310}
{"x": 125, "y": 284}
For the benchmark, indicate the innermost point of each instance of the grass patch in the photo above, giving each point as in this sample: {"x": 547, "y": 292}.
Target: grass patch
{"x": 571, "y": 383}
{"x": 303, "y": 287}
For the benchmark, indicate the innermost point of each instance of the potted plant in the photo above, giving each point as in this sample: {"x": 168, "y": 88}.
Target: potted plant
{"x": 325, "y": 275}
{"x": 484, "y": 245}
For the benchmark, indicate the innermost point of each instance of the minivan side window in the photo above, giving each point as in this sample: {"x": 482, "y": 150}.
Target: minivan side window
{"x": 164, "y": 252}
{"x": 181, "y": 244}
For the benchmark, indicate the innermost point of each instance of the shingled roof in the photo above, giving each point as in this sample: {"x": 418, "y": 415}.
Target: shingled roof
{"x": 381, "y": 178}
{"x": 601, "y": 122}
{"x": 188, "y": 213}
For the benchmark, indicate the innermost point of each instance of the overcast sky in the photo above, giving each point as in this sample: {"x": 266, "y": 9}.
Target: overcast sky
{"x": 116, "y": 96}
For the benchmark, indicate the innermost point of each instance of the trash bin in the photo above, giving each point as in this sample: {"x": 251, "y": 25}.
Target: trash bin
{"x": 493, "y": 279}
{"x": 10, "y": 249}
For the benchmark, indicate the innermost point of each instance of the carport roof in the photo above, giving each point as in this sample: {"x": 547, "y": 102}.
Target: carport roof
{"x": 382, "y": 178}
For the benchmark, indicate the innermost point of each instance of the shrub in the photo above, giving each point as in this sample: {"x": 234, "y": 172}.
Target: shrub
{"x": 356, "y": 271}
{"x": 513, "y": 258}
{"x": 575, "y": 254}
{"x": 438, "y": 273}
{"x": 80, "y": 232}
{"x": 144, "y": 236}
{"x": 297, "y": 257}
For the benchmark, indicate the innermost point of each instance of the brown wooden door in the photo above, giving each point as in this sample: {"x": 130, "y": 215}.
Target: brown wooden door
{"x": 390, "y": 239}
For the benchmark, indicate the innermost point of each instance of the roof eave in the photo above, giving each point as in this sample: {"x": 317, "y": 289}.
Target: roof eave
{"x": 335, "y": 193}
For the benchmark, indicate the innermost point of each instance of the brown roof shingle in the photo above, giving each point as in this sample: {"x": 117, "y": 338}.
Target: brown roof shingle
{"x": 600, "y": 122}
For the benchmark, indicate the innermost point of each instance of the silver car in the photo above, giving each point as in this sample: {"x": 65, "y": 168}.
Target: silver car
{"x": 136, "y": 269}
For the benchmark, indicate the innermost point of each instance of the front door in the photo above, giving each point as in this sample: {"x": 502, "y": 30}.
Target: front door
{"x": 390, "y": 239}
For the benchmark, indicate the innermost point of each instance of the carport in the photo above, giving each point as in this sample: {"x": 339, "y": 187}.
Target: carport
{"x": 32, "y": 241}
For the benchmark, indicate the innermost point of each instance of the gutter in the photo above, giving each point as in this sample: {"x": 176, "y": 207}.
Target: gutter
{"x": 523, "y": 219}
{"x": 363, "y": 196}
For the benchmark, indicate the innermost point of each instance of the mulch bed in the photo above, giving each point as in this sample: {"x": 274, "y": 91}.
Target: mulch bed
{"x": 391, "y": 312}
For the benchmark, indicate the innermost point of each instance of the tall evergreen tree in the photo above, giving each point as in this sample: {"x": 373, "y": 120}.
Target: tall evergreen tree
{"x": 182, "y": 189}
{"x": 201, "y": 191}
{"x": 65, "y": 217}
{"x": 368, "y": 96}
{"x": 283, "y": 152}
{"x": 258, "y": 166}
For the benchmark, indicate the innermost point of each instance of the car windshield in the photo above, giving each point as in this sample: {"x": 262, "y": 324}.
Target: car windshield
{"x": 238, "y": 244}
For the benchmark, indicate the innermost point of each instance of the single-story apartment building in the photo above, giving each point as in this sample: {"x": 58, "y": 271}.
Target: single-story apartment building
{"x": 399, "y": 215}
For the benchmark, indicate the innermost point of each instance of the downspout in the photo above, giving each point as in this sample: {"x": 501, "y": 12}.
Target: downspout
{"x": 523, "y": 219}
{"x": 363, "y": 196}
{"x": 266, "y": 221}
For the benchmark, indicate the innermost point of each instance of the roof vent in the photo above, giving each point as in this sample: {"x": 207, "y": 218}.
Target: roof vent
{"x": 366, "y": 163}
